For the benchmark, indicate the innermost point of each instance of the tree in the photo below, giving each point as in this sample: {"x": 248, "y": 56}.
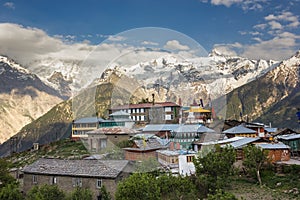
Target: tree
{"x": 214, "y": 169}
{"x": 105, "y": 195}
{"x": 5, "y": 177}
{"x": 254, "y": 158}
{"x": 10, "y": 192}
{"x": 81, "y": 194}
{"x": 45, "y": 192}
{"x": 138, "y": 186}
{"x": 148, "y": 165}
{"x": 173, "y": 188}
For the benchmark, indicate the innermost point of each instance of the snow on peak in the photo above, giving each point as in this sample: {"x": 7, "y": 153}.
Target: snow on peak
{"x": 13, "y": 64}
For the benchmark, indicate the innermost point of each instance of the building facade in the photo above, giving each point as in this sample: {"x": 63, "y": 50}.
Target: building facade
{"x": 69, "y": 174}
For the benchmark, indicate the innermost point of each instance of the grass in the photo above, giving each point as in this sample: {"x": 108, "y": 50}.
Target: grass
{"x": 65, "y": 148}
{"x": 275, "y": 186}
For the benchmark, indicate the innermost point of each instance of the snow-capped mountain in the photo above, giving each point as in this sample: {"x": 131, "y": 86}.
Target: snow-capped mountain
{"x": 212, "y": 76}
{"x": 23, "y": 97}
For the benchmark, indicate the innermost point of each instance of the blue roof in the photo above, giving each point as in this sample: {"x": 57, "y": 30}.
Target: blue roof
{"x": 273, "y": 146}
{"x": 88, "y": 120}
{"x": 204, "y": 129}
{"x": 160, "y": 127}
{"x": 289, "y": 137}
{"x": 239, "y": 129}
{"x": 243, "y": 142}
{"x": 271, "y": 130}
{"x": 187, "y": 128}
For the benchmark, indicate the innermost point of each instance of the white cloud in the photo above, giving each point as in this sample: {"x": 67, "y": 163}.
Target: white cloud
{"x": 244, "y": 4}
{"x": 175, "y": 45}
{"x": 10, "y": 5}
{"x": 279, "y": 47}
{"x": 116, "y": 38}
{"x": 275, "y": 25}
{"x": 285, "y": 16}
{"x": 260, "y": 26}
{"x": 149, "y": 43}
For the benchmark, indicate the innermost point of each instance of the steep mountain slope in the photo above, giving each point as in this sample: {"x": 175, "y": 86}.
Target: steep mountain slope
{"x": 56, "y": 123}
{"x": 273, "y": 97}
{"x": 23, "y": 98}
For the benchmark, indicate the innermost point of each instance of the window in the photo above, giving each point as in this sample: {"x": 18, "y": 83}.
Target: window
{"x": 99, "y": 183}
{"x": 77, "y": 182}
{"x": 168, "y": 117}
{"x": 189, "y": 158}
{"x": 53, "y": 180}
{"x": 142, "y": 118}
{"x": 142, "y": 110}
{"x": 34, "y": 179}
{"x": 168, "y": 109}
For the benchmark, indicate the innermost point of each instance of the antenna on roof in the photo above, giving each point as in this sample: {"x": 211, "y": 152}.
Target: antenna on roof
{"x": 153, "y": 99}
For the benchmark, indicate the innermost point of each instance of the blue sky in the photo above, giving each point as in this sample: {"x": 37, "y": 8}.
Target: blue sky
{"x": 251, "y": 28}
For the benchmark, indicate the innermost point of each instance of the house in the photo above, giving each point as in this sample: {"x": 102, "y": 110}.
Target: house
{"x": 292, "y": 140}
{"x": 241, "y": 131}
{"x": 143, "y": 149}
{"x": 169, "y": 159}
{"x": 160, "y": 130}
{"x": 196, "y": 115}
{"x": 186, "y": 134}
{"x": 69, "y": 174}
{"x": 118, "y": 118}
{"x": 276, "y": 151}
{"x": 80, "y": 127}
{"x": 157, "y": 113}
{"x": 186, "y": 164}
{"x": 95, "y": 141}
{"x": 238, "y": 145}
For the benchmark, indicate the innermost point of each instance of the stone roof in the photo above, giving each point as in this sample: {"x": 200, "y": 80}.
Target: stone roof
{"x": 83, "y": 168}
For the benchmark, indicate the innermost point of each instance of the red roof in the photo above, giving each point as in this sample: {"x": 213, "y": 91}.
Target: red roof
{"x": 145, "y": 105}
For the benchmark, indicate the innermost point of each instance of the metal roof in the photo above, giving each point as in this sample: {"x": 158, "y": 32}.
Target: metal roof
{"x": 273, "y": 146}
{"x": 204, "y": 129}
{"x": 289, "y": 137}
{"x": 84, "y": 168}
{"x": 145, "y": 105}
{"x": 243, "y": 142}
{"x": 160, "y": 127}
{"x": 88, "y": 120}
{"x": 239, "y": 129}
{"x": 271, "y": 130}
{"x": 187, "y": 128}
{"x": 119, "y": 113}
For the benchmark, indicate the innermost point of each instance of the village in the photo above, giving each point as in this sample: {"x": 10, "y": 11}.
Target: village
{"x": 171, "y": 134}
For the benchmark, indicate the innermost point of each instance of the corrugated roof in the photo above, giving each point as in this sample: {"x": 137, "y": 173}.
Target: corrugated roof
{"x": 204, "y": 129}
{"x": 84, "y": 168}
{"x": 243, "y": 142}
{"x": 273, "y": 146}
{"x": 271, "y": 130}
{"x": 119, "y": 113}
{"x": 239, "y": 129}
{"x": 113, "y": 130}
{"x": 145, "y": 105}
{"x": 88, "y": 120}
{"x": 160, "y": 127}
{"x": 187, "y": 128}
{"x": 289, "y": 137}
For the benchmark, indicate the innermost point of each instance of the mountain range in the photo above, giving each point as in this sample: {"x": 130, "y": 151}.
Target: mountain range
{"x": 266, "y": 91}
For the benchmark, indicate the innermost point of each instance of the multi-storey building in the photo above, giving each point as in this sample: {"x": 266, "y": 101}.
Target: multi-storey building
{"x": 145, "y": 113}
